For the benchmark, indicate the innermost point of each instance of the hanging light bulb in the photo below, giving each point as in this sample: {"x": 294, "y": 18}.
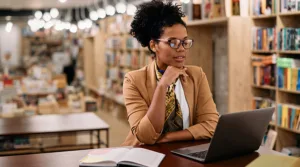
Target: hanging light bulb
{"x": 49, "y": 24}
{"x": 8, "y": 26}
{"x": 62, "y": 1}
{"x": 73, "y": 28}
{"x": 54, "y": 13}
{"x": 47, "y": 16}
{"x": 30, "y": 22}
{"x": 93, "y": 15}
{"x": 38, "y": 14}
{"x": 81, "y": 24}
{"x": 110, "y": 10}
{"x": 131, "y": 9}
{"x": 101, "y": 13}
{"x": 88, "y": 23}
{"x": 121, "y": 7}
{"x": 185, "y": 1}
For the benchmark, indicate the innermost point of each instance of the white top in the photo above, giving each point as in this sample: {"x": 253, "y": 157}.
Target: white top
{"x": 180, "y": 96}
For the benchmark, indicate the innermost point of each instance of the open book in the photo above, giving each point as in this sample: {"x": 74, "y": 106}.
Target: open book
{"x": 122, "y": 156}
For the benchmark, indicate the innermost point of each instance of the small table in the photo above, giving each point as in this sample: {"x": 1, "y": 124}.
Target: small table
{"x": 71, "y": 158}
{"x": 55, "y": 124}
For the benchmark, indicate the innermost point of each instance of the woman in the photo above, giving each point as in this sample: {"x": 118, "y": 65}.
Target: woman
{"x": 166, "y": 100}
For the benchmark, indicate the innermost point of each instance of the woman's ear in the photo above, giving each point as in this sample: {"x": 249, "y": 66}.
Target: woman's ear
{"x": 152, "y": 45}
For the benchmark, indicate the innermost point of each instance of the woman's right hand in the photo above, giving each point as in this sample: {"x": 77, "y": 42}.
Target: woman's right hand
{"x": 171, "y": 74}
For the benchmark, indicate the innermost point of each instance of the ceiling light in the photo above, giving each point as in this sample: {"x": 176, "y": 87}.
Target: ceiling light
{"x": 101, "y": 13}
{"x": 131, "y": 9}
{"x": 8, "y": 26}
{"x": 38, "y": 14}
{"x": 73, "y": 28}
{"x": 49, "y": 24}
{"x": 121, "y": 7}
{"x": 185, "y": 1}
{"x": 110, "y": 10}
{"x": 88, "y": 23}
{"x": 93, "y": 15}
{"x": 47, "y": 16}
{"x": 54, "y": 13}
{"x": 81, "y": 24}
{"x": 62, "y": 1}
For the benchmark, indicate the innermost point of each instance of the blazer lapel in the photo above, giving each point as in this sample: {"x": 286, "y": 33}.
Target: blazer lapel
{"x": 151, "y": 81}
{"x": 188, "y": 88}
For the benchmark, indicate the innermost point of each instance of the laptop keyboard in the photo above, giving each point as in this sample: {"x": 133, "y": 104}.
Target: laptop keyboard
{"x": 201, "y": 154}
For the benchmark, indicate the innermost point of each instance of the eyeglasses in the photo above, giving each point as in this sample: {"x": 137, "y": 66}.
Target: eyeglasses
{"x": 175, "y": 43}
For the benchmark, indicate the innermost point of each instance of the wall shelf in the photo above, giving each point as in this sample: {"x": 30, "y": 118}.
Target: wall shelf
{"x": 289, "y": 91}
{"x": 264, "y": 87}
{"x": 290, "y": 14}
{"x": 272, "y": 16}
{"x": 208, "y": 22}
{"x": 263, "y": 51}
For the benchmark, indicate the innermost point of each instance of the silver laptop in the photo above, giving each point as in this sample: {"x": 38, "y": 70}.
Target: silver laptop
{"x": 236, "y": 134}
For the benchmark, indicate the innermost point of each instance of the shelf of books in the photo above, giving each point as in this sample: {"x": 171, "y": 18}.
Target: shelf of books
{"x": 276, "y": 67}
{"x": 121, "y": 53}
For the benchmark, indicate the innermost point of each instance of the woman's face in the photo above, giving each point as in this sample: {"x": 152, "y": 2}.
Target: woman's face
{"x": 167, "y": 56}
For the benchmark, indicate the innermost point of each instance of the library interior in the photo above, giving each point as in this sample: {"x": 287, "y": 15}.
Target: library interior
{"x": 109, "y": 63}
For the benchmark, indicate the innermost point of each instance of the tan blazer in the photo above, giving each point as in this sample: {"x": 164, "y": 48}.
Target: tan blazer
{"x": 138, "y": 90}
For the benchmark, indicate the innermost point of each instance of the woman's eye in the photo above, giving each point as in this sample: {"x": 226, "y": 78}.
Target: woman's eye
{"x": 172, "y": 45}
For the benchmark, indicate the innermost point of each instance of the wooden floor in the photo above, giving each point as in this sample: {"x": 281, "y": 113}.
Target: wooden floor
{"x": 119, "y": 127}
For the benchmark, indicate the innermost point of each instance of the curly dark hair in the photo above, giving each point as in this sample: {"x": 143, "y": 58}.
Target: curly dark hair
{"x": 152, "y": 17}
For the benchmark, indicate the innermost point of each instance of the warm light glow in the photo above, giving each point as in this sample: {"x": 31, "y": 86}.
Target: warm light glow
{"x": 121, "y": 7}
{"x": 110, "y": 10}
{"x": 49, "y": 24}
{"x": 8, "y": 26}
{"x": 88, "y": 23}
{"x": 81, "y": 25}
{"x": 73, "y": 28}
{"x": 38, "y": 14}
{"x": 93, "y": 15}
{"x": 62, "y": 1}
{"x": 185, "y": 1}
{"x": 101, "y": 13}
{"x": 54, "y": 13}
{"x": 131, "y": 9}
{"x": 47, "y": 16}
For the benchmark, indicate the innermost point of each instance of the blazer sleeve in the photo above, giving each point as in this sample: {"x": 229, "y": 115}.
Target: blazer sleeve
{"x": 206, "y": 116}
{"x": 136, "y": 107}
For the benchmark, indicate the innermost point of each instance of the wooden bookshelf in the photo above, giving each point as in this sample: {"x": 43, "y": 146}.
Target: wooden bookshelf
{"x": 286, "y": 137}
{"x": 288, "y": 129}
{"x": 208, "y": 22}
{"x": 263, "y": 51}
{"x": 264, "y": 87}
{"x": 290, "y": 14}
{"x": 289, "y": 91}
{"x": 272, "y": 16}
{"x": 289, "y": 52}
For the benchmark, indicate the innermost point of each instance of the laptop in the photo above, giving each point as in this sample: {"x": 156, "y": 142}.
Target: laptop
{"x": 236, "y": 134}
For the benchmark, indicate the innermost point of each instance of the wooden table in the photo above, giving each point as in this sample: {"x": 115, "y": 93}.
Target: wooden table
{"x": 71, "y": 158}
{"x": 55, "y": 124}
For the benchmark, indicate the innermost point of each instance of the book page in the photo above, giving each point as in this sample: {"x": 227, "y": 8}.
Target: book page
{"x": 104, "y": 155}
{"x": 143, "y": 157}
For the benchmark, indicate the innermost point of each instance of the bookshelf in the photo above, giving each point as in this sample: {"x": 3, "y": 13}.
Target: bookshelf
{"x": 109, "y": 55}
{"x": 287, "y": 136}
{"x": 264, "y": 87}
{"x": 208, "y": 22}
